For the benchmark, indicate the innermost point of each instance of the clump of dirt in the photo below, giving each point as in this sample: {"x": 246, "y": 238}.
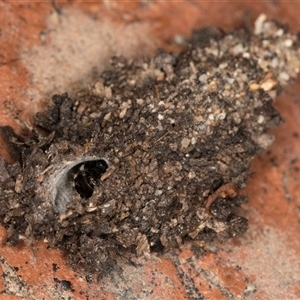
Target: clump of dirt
{"x": 152, "y": 153}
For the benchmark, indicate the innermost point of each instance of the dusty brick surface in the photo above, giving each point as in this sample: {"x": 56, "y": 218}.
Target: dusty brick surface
{"x": 43, "y": 51}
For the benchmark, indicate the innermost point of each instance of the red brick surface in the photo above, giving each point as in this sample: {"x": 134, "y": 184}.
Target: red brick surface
{"x": 49, "y": 48}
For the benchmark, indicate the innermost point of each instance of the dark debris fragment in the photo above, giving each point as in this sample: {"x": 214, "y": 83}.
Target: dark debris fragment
{"x": 151, "y": 154}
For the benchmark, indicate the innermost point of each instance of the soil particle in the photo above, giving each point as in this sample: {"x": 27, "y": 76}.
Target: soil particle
{"x": 152, "y": 153}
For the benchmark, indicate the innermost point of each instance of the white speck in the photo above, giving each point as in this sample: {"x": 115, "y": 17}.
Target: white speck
{"x": 279, "y": 32}
{"x": 179, "y": 39}
{"x": 221, "y": 116}
{"x": 107, "y": 92}
{"x": 244, "y": 77}
{"x": 251, "y": 287}
{"x": 95, "y": 115}
{"x": 211, "y": 117}
{"x": 158, "y": 192}
{"x": 237, "y": 49}
{"x": 260, "y": 119}
{"x": 284, "y": 76}
{"x": 288, "y": 43}
{"x": 185, "y": 142}
{"x": 160, "y": 117}
{"x": 208, "y": 130}
{"x": 123, "y": 112}
{"x": 268, "y": 85}
{"x": 274, "y": 62}
{"x": 272, "y": 94}
{"x": 258, "y": 24}
{"x": 212, "y": 168}
{"x": 230, "y": 80}
{"x": 192, "y": 174}
{"x": 201, "y": 127}
{"x": 246, "y": 55}
{"x": 203, "y": 78}
{"x": 139, "y": 101}
{"x": 223, "y": 65}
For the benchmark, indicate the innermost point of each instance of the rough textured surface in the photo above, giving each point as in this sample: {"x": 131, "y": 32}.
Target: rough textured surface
{"x": 232, "y": 270}
{"x": 177, "y": 134}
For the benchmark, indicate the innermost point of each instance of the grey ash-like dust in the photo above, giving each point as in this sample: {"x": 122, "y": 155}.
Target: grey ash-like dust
{"x": 153, "y": 153}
